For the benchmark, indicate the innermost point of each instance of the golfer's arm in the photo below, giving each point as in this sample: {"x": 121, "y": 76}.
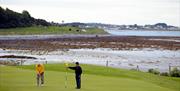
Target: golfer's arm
{"x": 36, "y": 70}
{"x": 73, "y": 68}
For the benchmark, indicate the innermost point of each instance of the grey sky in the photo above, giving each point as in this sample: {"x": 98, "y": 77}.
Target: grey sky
{"x": 104, "y": 11}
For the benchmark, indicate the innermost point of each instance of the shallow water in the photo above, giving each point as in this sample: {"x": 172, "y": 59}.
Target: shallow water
{"x": 143, "y": 33}
{"x": 128, "y": 59}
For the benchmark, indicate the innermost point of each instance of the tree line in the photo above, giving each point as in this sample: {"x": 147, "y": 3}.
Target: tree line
{"x": 11, "y": 19}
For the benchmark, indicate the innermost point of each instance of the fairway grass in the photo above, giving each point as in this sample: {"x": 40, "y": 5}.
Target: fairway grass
{"x": 41, "y": 30}
{"x": 95, "y": 78}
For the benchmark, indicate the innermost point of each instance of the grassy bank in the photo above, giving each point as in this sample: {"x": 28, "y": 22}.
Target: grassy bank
{"x": 50, "y": 30}
{"x": 95, "y": 78}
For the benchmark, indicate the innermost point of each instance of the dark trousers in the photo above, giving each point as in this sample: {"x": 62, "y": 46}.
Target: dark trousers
{"x": 40, "y": 78}
{"x": 78, "y": 81}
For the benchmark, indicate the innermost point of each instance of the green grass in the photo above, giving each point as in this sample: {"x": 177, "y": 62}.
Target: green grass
{"x": 49, "y": 30}
{"x": 94, "y": 78}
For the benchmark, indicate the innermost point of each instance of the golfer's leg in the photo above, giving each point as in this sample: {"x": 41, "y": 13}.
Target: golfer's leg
{"x": 79, "y": 81}
{"x": 42, "y": 78}
{"x": 76, "y": 81}
{"x": 37, "y": 79}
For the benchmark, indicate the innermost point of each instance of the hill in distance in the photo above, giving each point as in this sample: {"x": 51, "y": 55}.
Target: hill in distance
{"x": 12, "y": 19}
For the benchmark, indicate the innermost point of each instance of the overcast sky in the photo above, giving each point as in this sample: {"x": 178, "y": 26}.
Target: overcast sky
{"x": 101, "y": 11}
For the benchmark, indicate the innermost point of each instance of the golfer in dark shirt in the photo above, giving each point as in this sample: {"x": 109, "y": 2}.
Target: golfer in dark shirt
{"x": 78, "y": 72}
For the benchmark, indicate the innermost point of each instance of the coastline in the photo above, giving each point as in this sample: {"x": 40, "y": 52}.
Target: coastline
{"x": 145, "y": 59}
{"x": 55, "y": 42}
{"x": 126, "y": 52}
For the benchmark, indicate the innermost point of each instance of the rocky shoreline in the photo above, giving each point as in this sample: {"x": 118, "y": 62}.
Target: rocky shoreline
{"x": 91, "y": 42}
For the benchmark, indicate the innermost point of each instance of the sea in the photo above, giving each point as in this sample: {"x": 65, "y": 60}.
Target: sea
{"x": 144, "y": 33}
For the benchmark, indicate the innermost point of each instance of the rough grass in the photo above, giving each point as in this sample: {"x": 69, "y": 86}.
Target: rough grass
{"x": 40, "y": 30}
{"x": 95, "y": 78}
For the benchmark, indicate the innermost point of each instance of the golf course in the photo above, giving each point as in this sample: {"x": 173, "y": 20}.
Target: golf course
{"x": 94, "y": 78}
{"x": 89, "y": 45}
{"x": 41, "y": 30}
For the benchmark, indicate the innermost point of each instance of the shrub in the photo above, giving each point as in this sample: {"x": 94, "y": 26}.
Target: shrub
{"x": 164, "y": 74}
{"x": 175, "y": 72}
{"x": 70, "y": 29}
{"x": 77, "y": 30}
{"x": 154, "y": 71}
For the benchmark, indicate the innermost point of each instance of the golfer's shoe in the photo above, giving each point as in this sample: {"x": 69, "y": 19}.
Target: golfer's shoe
{"x": 78, "y": 88}
{"x": 42, "y": 85}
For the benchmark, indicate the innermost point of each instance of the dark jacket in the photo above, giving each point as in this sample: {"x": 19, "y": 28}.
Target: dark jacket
{"x": 78, "y": 70}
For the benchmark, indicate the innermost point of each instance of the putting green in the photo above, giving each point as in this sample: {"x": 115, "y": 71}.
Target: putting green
{"x": 17, "y": 79}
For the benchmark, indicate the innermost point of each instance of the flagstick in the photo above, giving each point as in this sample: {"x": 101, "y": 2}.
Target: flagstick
{"x": 66, "y": 64}
{"x": 66, "y": 79}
